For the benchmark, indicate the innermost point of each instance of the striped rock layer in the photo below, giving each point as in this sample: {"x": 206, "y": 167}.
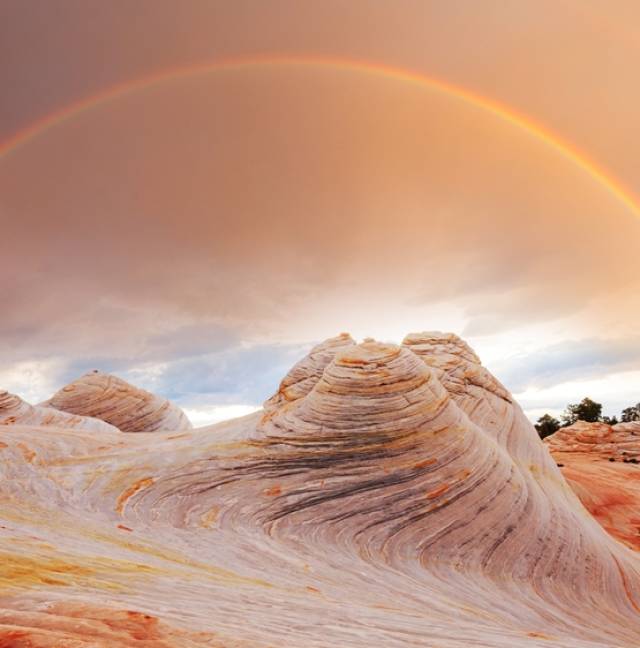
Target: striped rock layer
{"x": 387, "y": 496}
{"x": 620, "y": 441}
{"x": 13, "y": 410}
{"x": 302, "y": 377}
{"x": 601, "y": 463}
{"x": 115, "y": 401}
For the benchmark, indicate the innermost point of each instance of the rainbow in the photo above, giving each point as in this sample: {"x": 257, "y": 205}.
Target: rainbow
{"x": 505, "y": 113}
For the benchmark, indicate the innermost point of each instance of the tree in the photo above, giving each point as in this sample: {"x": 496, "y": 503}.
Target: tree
{"x": 610, "y": 420}
{"x": 630, "y": 414}
{"x": 547, "y": 425}
{"x": 586, "y": 410}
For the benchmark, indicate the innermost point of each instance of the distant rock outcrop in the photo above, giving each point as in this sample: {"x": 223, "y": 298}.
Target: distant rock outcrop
{"x": 119, "y": 403}
{"x": 599, "y": 462}
{"x": 620, "y": 441}
{"x": 15, "y": 411}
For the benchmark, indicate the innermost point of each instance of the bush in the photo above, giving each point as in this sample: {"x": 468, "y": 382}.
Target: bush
{"x": 586, "y": 410}
{"x": 631, "y": 413}
{"x": 547, "y": 425}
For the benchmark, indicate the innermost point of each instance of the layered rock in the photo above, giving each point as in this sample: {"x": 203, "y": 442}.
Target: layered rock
{"x": 388, "y": 495}
{"x": 380, "y": 416}
{"x": 618, "y": 442}
{"x": 302, "y": 377}
{"x": 15, "y": 411}
{"x": 387, "y": 417}
{"x": 69, "y": 624}
{"x": 478, "y": 393}
{"x": 119, "y": 403}
{"x": 457, "y": 364}
{"x": 364, "y": 388}
{"x": 599, "y": 463}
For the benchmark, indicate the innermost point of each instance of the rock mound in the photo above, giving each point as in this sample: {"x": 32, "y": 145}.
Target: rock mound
{"x": 621, "y": 441}
{"x": 15, "y": 411}
{"x": 600, "y": 463}
{"x": 412, "y": 461}
{"x": 119, "y": 403}
{"x": 302, "y": 377}
{"x": 458, "y": 366}
{"x": 369, "y": 393}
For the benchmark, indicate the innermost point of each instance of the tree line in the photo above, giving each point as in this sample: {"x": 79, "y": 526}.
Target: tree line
{"x": 586, "y": 410}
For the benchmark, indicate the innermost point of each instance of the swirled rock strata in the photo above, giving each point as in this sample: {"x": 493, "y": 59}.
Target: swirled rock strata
{"x": 119, "y": 403}
{"x": 302, "y": 377}
{"x": 15, "y": 411}
{"x": 386, "y": 496}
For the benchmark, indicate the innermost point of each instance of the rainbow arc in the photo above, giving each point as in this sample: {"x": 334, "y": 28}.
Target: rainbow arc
{"x": 505, "y": 113}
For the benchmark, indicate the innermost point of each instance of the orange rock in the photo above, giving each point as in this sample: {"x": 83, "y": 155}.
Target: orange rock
{"x": 131, "y": 491}
{"x": 436, "y": 492}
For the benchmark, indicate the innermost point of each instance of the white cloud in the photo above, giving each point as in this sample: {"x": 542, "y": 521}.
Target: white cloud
{"x": 201, "y": 416}
{"x": 31, "y": 380}
{"x": 614, "y": 391}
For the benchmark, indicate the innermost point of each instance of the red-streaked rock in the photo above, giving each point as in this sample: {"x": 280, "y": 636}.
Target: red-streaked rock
{"x": 82, "y": 625}
{"x": 610, "y": 491}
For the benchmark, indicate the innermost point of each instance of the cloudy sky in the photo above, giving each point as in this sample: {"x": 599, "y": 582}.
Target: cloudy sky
{"x": 191, "y": 193}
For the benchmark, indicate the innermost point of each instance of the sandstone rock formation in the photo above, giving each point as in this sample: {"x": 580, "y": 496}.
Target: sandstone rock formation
{"x": 115, "y": 401}
{"x": 15, "y": 411}
{"x": 620, "y": 442}
{"x": 387, "y": 496}
{"x": 599, "y": 462}
{"x": 306, "y": 373}
{"x": 456, "y": 363}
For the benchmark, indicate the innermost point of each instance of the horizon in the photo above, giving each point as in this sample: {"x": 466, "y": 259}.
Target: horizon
{"x": 196, "y": 213}
{"x": 205, "y": 415}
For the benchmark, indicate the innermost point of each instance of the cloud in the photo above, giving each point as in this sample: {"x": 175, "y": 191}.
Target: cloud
{"x": 239, "y": 375}
{"x": 185, "y": 240}
{"x": 219, "y": 215}
{"x": 578, "y": 360}
{"x": 194, "y": 366}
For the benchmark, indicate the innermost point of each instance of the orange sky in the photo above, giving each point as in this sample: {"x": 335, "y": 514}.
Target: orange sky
{"x": 196, "y": 234}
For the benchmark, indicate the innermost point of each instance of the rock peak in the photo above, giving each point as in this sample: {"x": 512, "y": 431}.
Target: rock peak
{"x": 114, "y": 400}
{"x": 15, "y": 411}
{"x": 301, "y": 378}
